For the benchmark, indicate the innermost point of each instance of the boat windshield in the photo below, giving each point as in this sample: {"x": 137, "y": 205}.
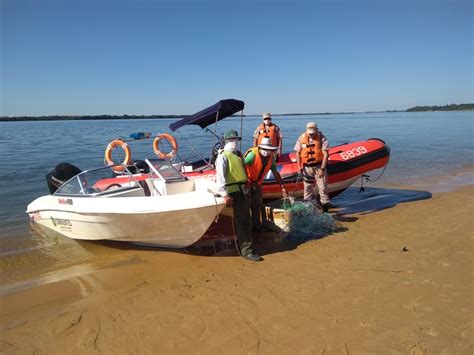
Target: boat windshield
{"x": 165, "y": 170}
{"x": 98, "y": 181}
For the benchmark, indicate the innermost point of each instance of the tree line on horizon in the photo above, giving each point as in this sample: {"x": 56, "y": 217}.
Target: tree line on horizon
{"x": 451, "y": 107}
{"x": 85, "y": 117}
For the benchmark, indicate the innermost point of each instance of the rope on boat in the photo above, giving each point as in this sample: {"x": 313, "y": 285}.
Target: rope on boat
{"x": 235, "y": 236}
{"x": 368, "y": 179}
{"x": 298, "y": 178}
{"x": 216, "y": 219}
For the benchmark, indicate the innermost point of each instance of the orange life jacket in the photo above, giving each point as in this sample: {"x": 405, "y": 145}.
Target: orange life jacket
{"x": 311, "y": 153}
{"x": 259, "y": 168}
{"x": 268, "y": 132}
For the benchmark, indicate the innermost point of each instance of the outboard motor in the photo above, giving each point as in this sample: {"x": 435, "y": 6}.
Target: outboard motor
{"x": 59, "y": 175}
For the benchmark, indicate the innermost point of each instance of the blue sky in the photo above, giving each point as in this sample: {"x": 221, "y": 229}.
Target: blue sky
{"x": 177, "y": 57}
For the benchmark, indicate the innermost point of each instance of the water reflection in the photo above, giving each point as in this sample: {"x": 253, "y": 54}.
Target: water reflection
{"x": 43, "y": 251}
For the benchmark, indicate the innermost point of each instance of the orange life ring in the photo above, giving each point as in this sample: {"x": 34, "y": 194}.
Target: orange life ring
{"x": 172, "y": 142}
{"x": 108, "y": 154}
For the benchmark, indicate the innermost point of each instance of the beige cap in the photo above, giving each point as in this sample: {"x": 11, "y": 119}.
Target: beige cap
{"x": 267, "y": 115}
{"x": 311, "y": 127}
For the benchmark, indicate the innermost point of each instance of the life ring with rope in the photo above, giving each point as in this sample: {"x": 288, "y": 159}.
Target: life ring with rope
{"x": 171, "y": 141}
{"x": 118, "y": 143}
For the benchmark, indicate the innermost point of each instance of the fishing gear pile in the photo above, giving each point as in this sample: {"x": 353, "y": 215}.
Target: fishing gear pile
{"x": 307, "y": 223}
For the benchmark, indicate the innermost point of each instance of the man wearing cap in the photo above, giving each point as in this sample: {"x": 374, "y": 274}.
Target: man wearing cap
{"x": 312, "y": 158}
{"x": 231, "y": 179}
{"x": 258, "y": 161}
{"x": 267, "y": 129}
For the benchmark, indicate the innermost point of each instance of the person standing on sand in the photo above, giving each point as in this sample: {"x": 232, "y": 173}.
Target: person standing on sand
{"x": 267, "y": 129}
{"x": 258, "y": 161}
{"x": 231, "y": 179}
{"x": 312, "y": 158}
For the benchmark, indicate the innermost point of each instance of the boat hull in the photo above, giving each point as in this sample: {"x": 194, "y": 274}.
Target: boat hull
{"x": 138, "y": 220}
{"x": 347, "y": 163}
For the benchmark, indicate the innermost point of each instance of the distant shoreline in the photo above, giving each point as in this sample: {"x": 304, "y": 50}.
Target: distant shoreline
{"x": 452, "y": 107}
{"x": 158, "y": 117}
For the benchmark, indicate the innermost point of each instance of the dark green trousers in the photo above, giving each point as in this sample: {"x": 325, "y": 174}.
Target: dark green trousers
{"x": 242, "y": 222}
{"x": 256, "y": 201}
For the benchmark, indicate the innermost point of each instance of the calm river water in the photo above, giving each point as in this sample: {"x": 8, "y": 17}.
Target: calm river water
{"x": 424, "y": 146}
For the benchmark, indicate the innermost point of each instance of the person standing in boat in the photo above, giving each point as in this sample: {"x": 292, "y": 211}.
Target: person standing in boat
{"x": 231, "y": 180}
{"x": 267, "y": 129}
{"x": 258, "y": 161}
{"x": 312, "y": 154}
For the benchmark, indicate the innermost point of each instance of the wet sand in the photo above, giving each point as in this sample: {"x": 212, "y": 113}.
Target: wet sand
{"x": 399, "y": 280}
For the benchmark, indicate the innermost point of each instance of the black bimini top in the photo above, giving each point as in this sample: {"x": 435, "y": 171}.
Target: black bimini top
{"x": 209, "y": 115}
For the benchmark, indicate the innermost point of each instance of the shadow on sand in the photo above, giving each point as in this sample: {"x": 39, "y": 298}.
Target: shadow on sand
{"x": 219, "y": 238}
{"x": 346, "y": 207}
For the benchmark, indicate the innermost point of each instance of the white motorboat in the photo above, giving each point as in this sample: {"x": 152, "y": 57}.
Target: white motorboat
{"x": 166, "y": 209}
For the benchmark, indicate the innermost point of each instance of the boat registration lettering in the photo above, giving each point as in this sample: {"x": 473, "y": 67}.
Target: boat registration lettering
{"x": 65, "y": 201}
{"x": 352, "y": 153}
{"x": 61, "y": 222}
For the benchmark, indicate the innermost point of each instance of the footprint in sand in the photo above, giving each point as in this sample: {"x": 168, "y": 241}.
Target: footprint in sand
{"x": 433, "y": 332}
{"x": 427, "y": 309}
{"x": 367, "y": 324}
{"x": 16, "y": 323}
{"x": 411, "y": 306}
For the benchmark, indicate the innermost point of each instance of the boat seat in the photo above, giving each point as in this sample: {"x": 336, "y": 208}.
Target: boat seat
{"x": 178, "y": 187}
{"x": 173, "y": 188}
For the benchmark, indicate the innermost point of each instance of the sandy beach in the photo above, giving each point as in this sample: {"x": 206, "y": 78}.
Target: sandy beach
{"x": 399, "y": 280}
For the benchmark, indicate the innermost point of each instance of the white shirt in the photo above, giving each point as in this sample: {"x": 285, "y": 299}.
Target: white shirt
{"x": 222, "y": 163}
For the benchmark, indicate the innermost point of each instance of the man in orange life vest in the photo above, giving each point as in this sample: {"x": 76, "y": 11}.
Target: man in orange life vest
{"x": 312, "y": 158}
{"x": 267, "y": 129}
{"x": 258, "y": 161}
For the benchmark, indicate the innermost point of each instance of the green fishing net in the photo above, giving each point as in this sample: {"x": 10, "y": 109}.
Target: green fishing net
{"x": 306, "y": 222}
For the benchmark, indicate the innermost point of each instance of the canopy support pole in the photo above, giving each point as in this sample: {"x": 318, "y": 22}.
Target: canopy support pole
{"x": 241, "y": 128}
{"x": 192, "y": 147}
{"x": 214, "y": 134}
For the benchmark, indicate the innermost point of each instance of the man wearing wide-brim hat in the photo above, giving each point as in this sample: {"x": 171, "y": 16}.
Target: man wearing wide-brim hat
{"x": 312, "y": 154}
{"x": 258, "y": 162}
{"x": 231, "y": 180}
